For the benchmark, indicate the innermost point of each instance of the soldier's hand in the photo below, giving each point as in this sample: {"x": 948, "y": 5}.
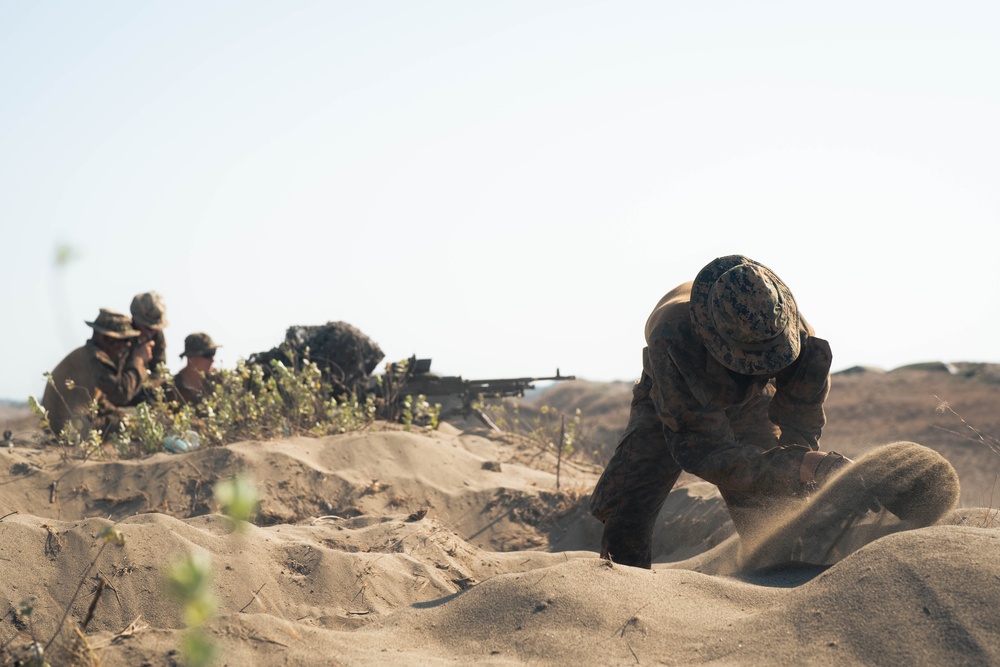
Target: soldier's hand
{"x": 143, "y": 351}
{"x": 818, "y": 467}
{"x": 828, "y": 466}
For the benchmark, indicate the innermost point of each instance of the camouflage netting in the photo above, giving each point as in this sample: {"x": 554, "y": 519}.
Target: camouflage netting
{"x": 346, "y": 356}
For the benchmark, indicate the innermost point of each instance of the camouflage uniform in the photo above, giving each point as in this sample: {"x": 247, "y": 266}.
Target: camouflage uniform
{"x": 187, "y": 392}
{"x": 344, "y": 354}
{"x": 190, "y": 390}
{"x": 96, "y": 376}
{"x": 159, "y": 354}
{"x": 707, "y": 403}
{"x": 149, "y": 311}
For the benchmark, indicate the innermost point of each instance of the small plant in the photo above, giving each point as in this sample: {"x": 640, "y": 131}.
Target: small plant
{"x": 238, "y": 499}
{"x": 545, "y": 426}
{"x": 189, "y": 579}
{"x": 25, "y": 611}
{"x": 420, "y": 412}
{"x": 989, "y": 513}
{"x": 977, "y": 436}
{"x": 74, "y": 433}
{"x": 75, "y": 651}
{"x": 189, "y": 582}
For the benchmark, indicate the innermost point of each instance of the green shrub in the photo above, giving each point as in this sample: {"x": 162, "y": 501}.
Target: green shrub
{"x": 247, "y": 402}
{"x": 542, "y": 425}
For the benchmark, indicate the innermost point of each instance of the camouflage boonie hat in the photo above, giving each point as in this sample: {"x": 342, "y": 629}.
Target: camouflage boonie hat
{"x": 113, "y": 324}
{"x": 148, "y": 310}
{"x": 199, "y": 345}
{"x": 745, "y": 315}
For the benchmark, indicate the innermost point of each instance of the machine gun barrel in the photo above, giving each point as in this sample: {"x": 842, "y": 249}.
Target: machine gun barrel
{"x": 506, "y": 381}
{"x": 506, "y": 386}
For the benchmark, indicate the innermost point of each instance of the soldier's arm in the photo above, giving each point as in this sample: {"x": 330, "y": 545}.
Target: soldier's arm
{"x": 703, "y": 442}
{"x": 159, "y": 354}
{"x": 121, "y": 387}
{"x": 801, "y": 391}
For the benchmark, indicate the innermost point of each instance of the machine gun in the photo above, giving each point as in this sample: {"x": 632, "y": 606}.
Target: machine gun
{"x": 413, "y": 378}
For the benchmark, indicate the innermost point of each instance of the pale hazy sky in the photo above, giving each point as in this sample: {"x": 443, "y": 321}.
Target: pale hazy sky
{"x": 505, "y": 187}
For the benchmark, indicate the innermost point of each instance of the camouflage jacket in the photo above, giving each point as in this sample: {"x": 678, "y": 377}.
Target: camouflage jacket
{"x": 95, "y": 377}
{"x": 191, "y": 392}
{"x": 692, "y": 392}
{"x": 159, "y": 354}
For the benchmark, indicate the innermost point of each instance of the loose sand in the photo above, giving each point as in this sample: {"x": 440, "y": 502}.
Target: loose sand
{"x": 453, "y": 547}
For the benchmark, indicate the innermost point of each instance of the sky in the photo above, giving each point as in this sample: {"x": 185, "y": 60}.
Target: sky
{"x": 504, "y": 187}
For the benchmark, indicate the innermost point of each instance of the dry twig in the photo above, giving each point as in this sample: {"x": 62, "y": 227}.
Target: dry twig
{"x": 254, "y": 598}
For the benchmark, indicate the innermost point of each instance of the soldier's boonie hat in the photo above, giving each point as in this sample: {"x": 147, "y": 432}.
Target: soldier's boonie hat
{"x": 113, "y": 324}
{"x": 745, "y": 315}
{"x": 148, "y": 310}
{"x": 199, "y": 345}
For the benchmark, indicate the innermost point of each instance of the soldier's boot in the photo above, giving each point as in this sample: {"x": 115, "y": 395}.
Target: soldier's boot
{"x": 628, "y": 542}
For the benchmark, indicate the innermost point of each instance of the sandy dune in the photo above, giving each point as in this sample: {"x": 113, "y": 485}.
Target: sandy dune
{"x": 454, "y": 547}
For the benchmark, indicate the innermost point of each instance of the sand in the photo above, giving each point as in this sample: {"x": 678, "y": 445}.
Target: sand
{"x": 454, "y": 547}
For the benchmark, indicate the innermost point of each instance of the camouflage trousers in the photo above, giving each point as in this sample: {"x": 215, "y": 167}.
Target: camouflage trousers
{"x": 629, "y": 495}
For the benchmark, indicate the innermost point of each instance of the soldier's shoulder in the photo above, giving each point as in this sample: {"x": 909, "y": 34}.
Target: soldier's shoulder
{"x": 92, "y": 354}
{"x": 75, "y": 357}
